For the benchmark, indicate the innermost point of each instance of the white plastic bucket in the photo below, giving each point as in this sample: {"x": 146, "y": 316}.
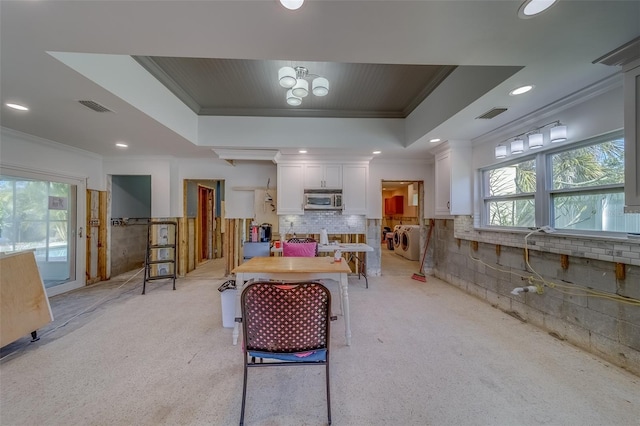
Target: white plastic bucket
{"x": 228, "y": 302}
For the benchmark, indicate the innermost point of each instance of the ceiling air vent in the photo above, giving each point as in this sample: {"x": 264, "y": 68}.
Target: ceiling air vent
{"x": 492, "y": 113}
{"x": 95, "y": 106}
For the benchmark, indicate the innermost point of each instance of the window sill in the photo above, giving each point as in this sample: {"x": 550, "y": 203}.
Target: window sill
{"x": 562, "y": 233}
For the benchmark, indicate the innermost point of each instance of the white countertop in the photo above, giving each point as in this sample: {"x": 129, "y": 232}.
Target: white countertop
{"x": 330, "y": 248}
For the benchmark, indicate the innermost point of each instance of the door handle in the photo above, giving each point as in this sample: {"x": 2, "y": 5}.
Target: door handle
{"x": 80, "y": 232}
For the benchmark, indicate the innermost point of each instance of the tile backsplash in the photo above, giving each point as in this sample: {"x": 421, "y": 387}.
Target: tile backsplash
{"x": 312, "y": 223}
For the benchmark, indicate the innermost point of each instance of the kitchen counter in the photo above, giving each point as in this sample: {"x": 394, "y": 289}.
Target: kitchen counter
{"x": 330, "y": 248}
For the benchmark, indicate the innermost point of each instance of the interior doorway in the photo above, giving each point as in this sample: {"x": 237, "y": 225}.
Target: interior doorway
{"x": 203, "y": 212}
{"x": 402, "y": 224}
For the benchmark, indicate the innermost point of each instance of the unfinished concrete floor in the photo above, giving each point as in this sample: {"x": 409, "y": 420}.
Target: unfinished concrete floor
{"x": 422, "y": 354}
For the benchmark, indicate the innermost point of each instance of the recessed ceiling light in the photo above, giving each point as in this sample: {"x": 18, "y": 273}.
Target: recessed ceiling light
{"x": 531, "y": 8}
{"x": 17, "y": 106}
{"x": 377, "y": 152}
{"x": 520, "y": 90}
{"x": 292, "y": 4}
{"x": 122, "y": 145}
{"x": 303, "y": 151}
{"x": 434, "y": 140}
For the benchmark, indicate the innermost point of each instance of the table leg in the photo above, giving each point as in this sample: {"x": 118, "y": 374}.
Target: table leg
{"x": 344, "y": 283}
{"x": 236, "y": 325}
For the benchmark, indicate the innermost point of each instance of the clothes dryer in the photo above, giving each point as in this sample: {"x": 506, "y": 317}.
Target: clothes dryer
{"x": 410, "y": 242}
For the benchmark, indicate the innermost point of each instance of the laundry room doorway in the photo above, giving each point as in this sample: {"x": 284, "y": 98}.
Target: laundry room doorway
{"x": 402, "y": 226}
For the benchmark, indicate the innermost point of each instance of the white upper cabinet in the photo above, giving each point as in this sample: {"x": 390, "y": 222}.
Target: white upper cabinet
{"x": 453, "y": 191}
{"x": 290, "y": 189}
{"x": 323, "y": 176}
{"x": 354, "y": 188}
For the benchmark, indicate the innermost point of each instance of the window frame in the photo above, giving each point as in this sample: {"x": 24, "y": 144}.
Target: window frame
{"x": 543, "y": 197}
{"x": 486, "y": 198}
{"x": 550, "y": 192}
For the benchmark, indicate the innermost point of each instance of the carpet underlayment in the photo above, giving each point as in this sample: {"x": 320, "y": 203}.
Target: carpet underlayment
{"x": 422, "y": 353}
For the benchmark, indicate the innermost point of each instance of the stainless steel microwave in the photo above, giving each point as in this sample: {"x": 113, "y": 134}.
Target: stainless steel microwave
{"x": 325, "y": 200}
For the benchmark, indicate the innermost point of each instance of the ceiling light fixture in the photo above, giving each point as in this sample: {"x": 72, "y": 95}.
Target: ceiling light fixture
{"x": 17, "y": 106}
{"x": 517, "y": 146}
{"x": 531, "y": 8}
{"x": 434, "y": 140}
{"x": 501, "y": 151}
{"x": 292, "y": 4}
{"x": 295, "y": 79}
{"x": 376, "y": 152}
{"x": 520, "y": 90}
{"x": 303, "y": 151}
{"x": 536, "y": 140}
{"x": 122, "y": 145}
{"x": 557, "y": 133}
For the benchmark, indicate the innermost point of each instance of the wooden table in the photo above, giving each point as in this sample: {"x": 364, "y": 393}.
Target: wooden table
{"x": 351, "y": 249}
{"x": 294, "y": 269}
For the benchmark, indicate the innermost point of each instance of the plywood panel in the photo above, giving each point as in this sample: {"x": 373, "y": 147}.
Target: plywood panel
{"x": 24, "y": 306}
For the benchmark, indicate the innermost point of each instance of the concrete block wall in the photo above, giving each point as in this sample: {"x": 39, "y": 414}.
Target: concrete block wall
{"x": 600, "y": 325}
{"x": 128, "y": 248}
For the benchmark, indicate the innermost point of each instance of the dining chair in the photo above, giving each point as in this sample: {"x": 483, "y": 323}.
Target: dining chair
{"x": 300, "y": 247}
{"x": 285, "y": 324}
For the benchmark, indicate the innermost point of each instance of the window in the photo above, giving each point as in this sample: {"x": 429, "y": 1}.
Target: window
{"x": 34, "y": 215}
{"x": 510, "y": 194}
{"x": 577, "y": 188}
{"x": 587, "y": 188}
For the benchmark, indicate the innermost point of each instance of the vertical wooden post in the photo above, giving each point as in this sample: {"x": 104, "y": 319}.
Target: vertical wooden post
{"x": 182, "y": 246}
{"x": 102, "y": 236}
{"x": 564, "y": 261}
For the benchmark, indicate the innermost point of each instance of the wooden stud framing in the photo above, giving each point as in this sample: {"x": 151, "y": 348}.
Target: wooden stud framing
{"x": 182, "y": 246}
{"x": 474, "y": 245}
{"x": 458, "y": 241}
{"x": 498, "y": 249}
{"x": 564, "y": 261}
{"x": 621, "y": 271}
{"x": 102, "y": 237}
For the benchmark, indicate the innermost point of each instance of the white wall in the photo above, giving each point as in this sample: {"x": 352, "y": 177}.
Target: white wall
{"x": 161, "y": 185}
{"x": 409, "y": 170}
{"x": 41, "y": 155}
{"x": 335, "y": 133}
{"x": 168, "y": 175}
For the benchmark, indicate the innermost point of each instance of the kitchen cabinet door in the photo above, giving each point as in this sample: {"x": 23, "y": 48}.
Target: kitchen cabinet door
{"x": 323, "y": 176}
{"x": 354, "y": 188}
{"x": 454, "y": 181}
{"x": 290, "y": 189}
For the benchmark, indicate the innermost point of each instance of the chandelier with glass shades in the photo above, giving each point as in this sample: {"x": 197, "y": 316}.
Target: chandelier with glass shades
{"x": 295, "y": 79}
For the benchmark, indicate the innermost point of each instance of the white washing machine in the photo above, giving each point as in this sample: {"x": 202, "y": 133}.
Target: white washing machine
{"x": 410, "y": 242}
{"x": 397, "y": 239}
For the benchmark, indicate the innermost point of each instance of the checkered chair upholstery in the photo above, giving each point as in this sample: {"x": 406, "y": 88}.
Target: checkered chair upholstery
{"x": 285, "y": 324}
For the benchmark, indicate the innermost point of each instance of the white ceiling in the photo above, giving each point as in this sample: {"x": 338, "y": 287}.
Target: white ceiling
{"x": 48, "y": 61}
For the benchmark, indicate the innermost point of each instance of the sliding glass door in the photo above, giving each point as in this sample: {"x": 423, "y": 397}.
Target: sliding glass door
{"x": 41, "y": 215}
